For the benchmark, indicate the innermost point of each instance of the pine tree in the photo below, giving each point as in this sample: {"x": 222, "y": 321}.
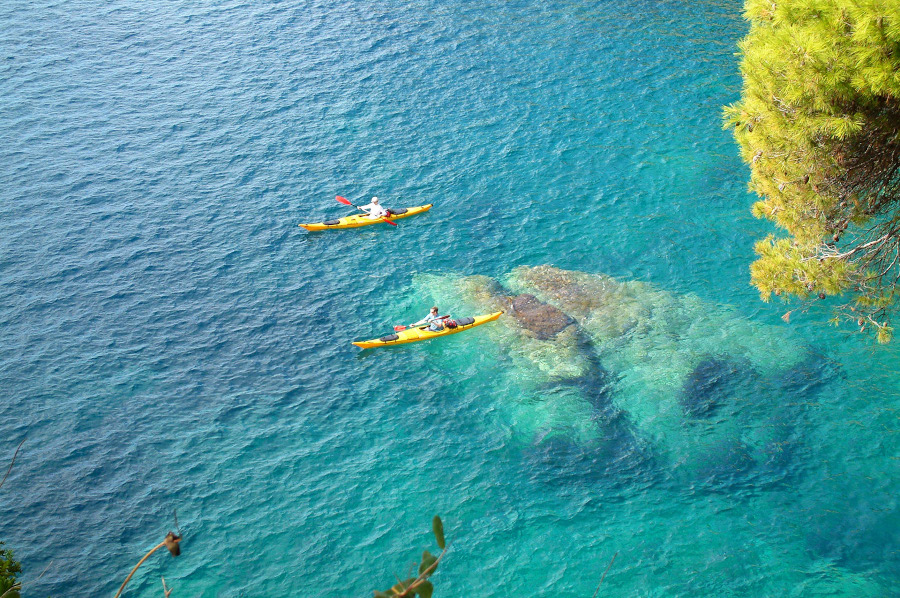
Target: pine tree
{"x": 819, "y": 123}
{"x": 9, "y": 567}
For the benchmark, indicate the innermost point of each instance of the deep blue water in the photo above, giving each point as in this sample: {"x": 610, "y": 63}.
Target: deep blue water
{"x": 169, "y": 338}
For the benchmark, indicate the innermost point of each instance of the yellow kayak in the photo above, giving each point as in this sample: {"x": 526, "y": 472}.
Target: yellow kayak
{"x": 357, "y": 220}
{"x": 412, "y": 335}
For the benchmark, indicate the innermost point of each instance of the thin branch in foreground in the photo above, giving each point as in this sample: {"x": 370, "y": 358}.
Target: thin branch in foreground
{"x": 170, "y": 542}
{"x": 177, "y": 527}
{"x": 19, "y": 585}
{"x": 602, "y": 577}
{"x": 11, "y": 465}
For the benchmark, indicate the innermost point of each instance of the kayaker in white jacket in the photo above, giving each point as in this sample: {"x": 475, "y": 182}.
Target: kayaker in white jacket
{"x": 434, "y": 322}
{"x": 375, "y": 209}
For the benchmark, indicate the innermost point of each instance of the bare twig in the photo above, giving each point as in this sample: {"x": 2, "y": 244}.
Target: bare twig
{"x": 171, "y": 543}
{"x": 140, "y": 562}
{"x": 11, "y": 466}
{"x": 166, "y": 591}
{"x": 855, "y": 250}
{"x": 602, "y": 577}
{"x": 19, "y": 585}
{"x": 177, "y": 527}
{"x": 47, "y": 568}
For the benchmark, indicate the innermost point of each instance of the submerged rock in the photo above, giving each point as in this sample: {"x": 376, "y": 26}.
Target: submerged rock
{"x": 861, "y": 535}
{"x": 646, "y": 320}
{"x": 692, "y": 376}
{"x": 548, "y": 358}
{"x": 698, "y": 382}
{"x": 540, "y": 338}
{"x": 544, "y": 320}
{"x": 712, "y": 384}
{"x": 601, "y": 301}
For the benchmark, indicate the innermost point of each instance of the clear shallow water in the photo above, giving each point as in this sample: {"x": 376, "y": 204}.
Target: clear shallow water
{"x": 171, "y": 339}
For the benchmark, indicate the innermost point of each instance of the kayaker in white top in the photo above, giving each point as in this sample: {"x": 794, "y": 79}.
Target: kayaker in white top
{"x": 375, "y": 210}
{"x": 435, "y": 323}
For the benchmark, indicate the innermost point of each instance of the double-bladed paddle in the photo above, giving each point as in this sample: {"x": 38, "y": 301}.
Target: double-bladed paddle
{"x": 347, "y": 202}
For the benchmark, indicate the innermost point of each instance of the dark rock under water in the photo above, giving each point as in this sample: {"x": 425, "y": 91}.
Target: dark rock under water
{"x": 711, "y": 384}
{"x": 811, "y": 376}
{"x": 616, "y": 462}
{"x": 543, "y": 320}
{"x": 862, "y": 535}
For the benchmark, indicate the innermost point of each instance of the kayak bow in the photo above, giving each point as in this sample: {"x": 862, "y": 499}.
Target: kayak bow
{"x": 357, "y": 220}
{"x": 412, "y": 335}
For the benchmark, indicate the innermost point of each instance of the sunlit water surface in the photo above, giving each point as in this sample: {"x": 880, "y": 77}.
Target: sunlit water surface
{"x": 169, "y": 338}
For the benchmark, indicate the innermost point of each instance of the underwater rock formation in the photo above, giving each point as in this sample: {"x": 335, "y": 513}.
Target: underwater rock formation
{"x": 544, "y": 320}
{"x": 550, "y": 364}
{"x": 708, "y": 387}
{"x": 541, "y": 339}
{"x": 656, "y": 344}
{"x": 637, "y": 316}
{"x": 700, "y": 382}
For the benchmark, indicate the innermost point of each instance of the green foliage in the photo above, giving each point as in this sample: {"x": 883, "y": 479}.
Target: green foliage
{"x": 419, "y": 586}
{"x": 428, "y": 560}
{"x": 425, "y": 589}
{"x": 9, "y": 567}
{"x": 438, "y": 527}
{"x": 819, "y": 124}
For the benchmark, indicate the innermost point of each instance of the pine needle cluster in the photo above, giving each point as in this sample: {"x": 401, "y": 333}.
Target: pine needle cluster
{"x": 819, "y": 123}
{"x": 9, "y": 568}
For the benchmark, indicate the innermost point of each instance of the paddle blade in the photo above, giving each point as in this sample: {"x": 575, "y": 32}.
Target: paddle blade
{"x": 343, "y": 200}
{"x": 399, "y": 328}
{"x": 389, "y": 222}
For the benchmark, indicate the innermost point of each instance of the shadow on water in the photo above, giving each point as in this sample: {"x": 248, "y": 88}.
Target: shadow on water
{"x": 760, "y": 448}
{"x": 811, "y": 376}
{"x": 615, "y": 465}
{"x": 860, "y": 531}
{"x": 766, "y": 447}
{"x": 711, "y": 384}
{"x": 862, "y": 536}
{"x": 618, "y": 461}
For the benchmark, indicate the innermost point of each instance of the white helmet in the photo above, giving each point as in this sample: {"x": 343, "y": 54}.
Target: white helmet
{"x": 375, "y": 200}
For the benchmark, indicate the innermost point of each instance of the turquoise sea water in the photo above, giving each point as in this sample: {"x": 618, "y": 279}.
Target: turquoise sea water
{"x": 169, "y": 338}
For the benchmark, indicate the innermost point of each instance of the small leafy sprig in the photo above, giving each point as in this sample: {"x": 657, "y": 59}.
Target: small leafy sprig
{"x": 420, "y": 586}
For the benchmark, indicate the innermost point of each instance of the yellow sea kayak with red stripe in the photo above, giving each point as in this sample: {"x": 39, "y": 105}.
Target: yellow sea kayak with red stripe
{"x": 412, "y": 335}
{"x": 357, "y": 220}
